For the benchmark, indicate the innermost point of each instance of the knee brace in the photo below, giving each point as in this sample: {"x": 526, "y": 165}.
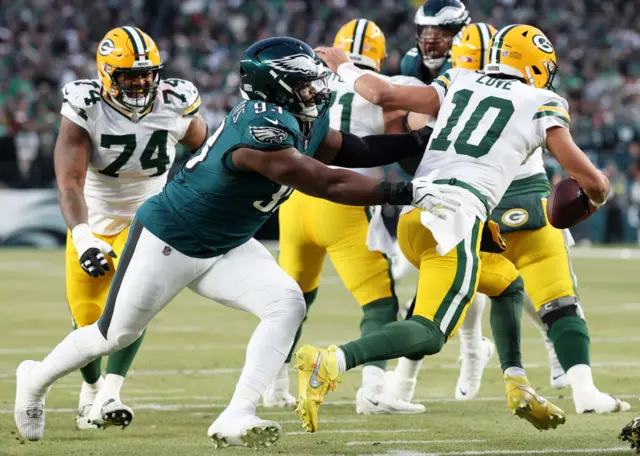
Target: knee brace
{"x": 568, "y": 306}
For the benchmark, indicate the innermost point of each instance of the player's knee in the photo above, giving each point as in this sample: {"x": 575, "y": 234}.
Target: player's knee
{"x": 554, "y": 311}
{"x": 515, "y": 290}
{"x": 122, "y": 339}
{"x": 432, "y": 339}
{"x": 285, "y": 301}
{"x": 86, "y": 314}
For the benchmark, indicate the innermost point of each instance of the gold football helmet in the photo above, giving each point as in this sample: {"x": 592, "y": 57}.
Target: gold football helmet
{"x": 124, "y": 53}
{"x": 525, "y": 52}
{"x": 471, "y": 46}
{"x": 364, "y": 42}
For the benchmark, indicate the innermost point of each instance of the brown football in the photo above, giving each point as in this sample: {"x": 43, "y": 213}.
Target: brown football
{"x": 567, "y": 204}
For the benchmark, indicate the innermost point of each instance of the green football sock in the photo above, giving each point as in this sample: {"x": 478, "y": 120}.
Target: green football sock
{"x": 309, "y": 297}
{"x": 91, "y": 372}
{"x": 570, "y": 338}
{"x": 506, "y": 312}
{"x": 375, "y": 315}
{"x": 411, "y": 338}
{"x": 120, "y": 361}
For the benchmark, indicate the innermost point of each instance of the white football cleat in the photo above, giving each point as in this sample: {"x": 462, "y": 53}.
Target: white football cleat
{"x": 558, "y": 378}
{"x": 248, "y": 431}
{"x": 85, "y": 403}
{"x": 400, "y": 388}
{"x": 472, "y": 365}
{"x": 28, "y": 411}
{"x": 277, "y": 394}
{"x": 598, "y": 402}
{"x": 369, "y": 403}
{"x": 110, "y": 412}
{"x": 82, "y": 417}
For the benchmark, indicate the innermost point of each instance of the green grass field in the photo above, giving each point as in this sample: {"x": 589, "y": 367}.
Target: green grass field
{"x": 187, "y": 368}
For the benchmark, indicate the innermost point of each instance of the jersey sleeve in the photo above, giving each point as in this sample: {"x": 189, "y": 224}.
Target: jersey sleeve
{"x": 553, "y": 112}
{"x": 78, "y": 99}
{"x": 443, "y": 82}
{"x": 406, "y": 81}
{"x": 183, "y": 98}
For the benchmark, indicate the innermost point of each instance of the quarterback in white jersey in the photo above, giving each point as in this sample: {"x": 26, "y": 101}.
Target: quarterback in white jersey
{"x": 487, "y": 125}
{"x": 311, "y": 228}
{"x": 117, "y": 142}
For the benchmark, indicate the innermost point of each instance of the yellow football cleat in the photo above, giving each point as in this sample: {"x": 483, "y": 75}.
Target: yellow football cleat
{"x": 631, "y": 433}
{"x": 523, "y": 401}
{"x": 318, "y": 374}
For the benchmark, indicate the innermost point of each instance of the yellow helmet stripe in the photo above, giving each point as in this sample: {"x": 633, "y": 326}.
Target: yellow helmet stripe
{"x": 485, "y": 37}
{"x": 359, "y": 32}
{"x": 137, "y": 40}
{"x": 497, "y": 42}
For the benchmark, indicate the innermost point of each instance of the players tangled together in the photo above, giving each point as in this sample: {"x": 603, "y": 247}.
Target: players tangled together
{"x": 468, "y": 117}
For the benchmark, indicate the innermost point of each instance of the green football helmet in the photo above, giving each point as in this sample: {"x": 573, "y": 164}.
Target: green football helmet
{"x": 286, "y": 72}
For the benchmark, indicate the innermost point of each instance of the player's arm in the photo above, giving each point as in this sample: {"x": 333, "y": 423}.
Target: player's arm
{"x": 425, "y": 100}
{"x": 577, "y": 164}
{"x": 350, "y": 151}
{"x": 291, "y": 168}
{"x": 71, "y": 159}
{"x": 196, "y": 134}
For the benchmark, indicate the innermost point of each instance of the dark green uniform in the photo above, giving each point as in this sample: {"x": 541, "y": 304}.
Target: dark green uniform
{"x": 411, "y": 65}
{"x": 211, "y": 206}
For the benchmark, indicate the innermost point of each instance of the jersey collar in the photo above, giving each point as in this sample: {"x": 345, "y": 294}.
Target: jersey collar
{"x": 133, "y": 117}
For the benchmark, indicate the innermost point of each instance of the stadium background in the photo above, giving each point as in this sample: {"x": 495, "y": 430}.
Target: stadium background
{"x": 47, "y": 43}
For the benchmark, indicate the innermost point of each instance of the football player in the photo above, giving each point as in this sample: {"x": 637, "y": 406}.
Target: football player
{"x": 198, "y": 231}
{"x": 631, "y": 433}
{"x": 540, "y": 252}
{"x": 482, "y": 154}
{"x": 117, "y": 141}
{"x": 437, "y": 23}
{"x": 311, "y": 228}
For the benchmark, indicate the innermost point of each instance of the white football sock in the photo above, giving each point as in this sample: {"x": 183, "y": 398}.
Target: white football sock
{"x": 342, "y": 361}
{"x": 283, "y": 372}
{"x": 79, "y": 348}
{"x": 88, "y": 391}
{"x": 408, "y": 369}
{"x": 112, "y": 386}
{"x": 471, "y": 327}
{"x": 581, "y": 379}
{"x": 515, "y": 372}
{"x": 267, "y": 349}
{"x": 373, "y": 377}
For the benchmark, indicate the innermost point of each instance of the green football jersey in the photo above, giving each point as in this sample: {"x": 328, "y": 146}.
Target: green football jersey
{"x": 411, "y": 65}
{"x": 211, "y": 206}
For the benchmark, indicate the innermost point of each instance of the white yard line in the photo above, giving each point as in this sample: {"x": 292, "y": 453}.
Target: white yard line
{"x": 486, "y": 452}
{"x": 417, "y": 442}
{"x": 357, "y": 431}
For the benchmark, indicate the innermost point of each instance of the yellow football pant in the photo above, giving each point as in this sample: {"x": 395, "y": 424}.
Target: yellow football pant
{"x": 87, "y": 295}
{"x": 312, "y": 227}
{"x": 542, "y": 258}
{"x": 447, "y": 284}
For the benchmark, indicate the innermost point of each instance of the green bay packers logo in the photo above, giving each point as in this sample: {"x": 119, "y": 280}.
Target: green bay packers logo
{"x": 515, "y": 217}
{"x": 542, "y": 43}
{"x": 106, "y": 47}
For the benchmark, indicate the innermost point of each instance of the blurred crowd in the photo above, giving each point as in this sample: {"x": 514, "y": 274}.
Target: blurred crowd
{"x": 47, "y": 43}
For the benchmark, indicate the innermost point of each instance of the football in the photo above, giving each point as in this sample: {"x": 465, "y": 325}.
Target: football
{"x": 567, "y": 204}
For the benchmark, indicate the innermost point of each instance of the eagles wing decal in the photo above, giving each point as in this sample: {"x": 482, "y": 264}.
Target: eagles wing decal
{"x": 297, "y": 63}
{"x": 268, "y": 135}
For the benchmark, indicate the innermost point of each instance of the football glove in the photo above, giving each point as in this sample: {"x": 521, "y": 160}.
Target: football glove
{"x": 437, "y": 199}
{"x": 91, "y": 251}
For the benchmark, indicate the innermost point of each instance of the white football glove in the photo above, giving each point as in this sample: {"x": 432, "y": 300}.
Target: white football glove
{"x": 435, "y": 198}
{"x": 91, "y": 250}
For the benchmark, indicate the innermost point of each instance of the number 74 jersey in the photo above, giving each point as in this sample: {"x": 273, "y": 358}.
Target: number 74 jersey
{"x": 131, "y": 154}
{"x": 486, "y": 128}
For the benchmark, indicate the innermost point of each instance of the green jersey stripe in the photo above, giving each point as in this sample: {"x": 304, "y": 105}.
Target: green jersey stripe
{"x": 441, "y": 84}
{"x": 541, "y": 114}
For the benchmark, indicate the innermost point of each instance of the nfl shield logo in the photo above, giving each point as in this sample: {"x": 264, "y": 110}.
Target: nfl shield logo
{"x": 166, "y": 251}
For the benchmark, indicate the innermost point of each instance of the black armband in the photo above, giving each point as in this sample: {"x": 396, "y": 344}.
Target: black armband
{"x": 379, "y": 150}
{"x": 396, "y": 193}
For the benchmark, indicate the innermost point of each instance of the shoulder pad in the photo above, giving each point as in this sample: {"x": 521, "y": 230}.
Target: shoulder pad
{"x": 268, "y": 113}
{"x": 180, "y": 96}
{"x": 82, "y": 94}
{"x": 408, "y": 64}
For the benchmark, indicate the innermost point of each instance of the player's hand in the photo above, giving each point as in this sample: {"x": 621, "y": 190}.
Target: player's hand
{"x": 332, "y": 57}
{"x": 435, "y": 198}
{"x": 91, "y": 251}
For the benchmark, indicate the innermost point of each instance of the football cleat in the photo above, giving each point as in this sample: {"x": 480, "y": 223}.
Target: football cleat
{"x": 523, "y": 401}
{"x": 472, "y": 366}
{"x": 399, "y": 386}
{"x": 248, "y": 431}
{"x": 318, "y": 373}
{"x": 631, "y": 433}
{"x": 598, "y": 402}
{"x": 384, "y": 403}
{"x": 82, "y": 418}
{"x": 110, "y": 412}
{"x": 558, "y": 378}
{"x": 277, "y": 394}
{"x": 28, "y": 411}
